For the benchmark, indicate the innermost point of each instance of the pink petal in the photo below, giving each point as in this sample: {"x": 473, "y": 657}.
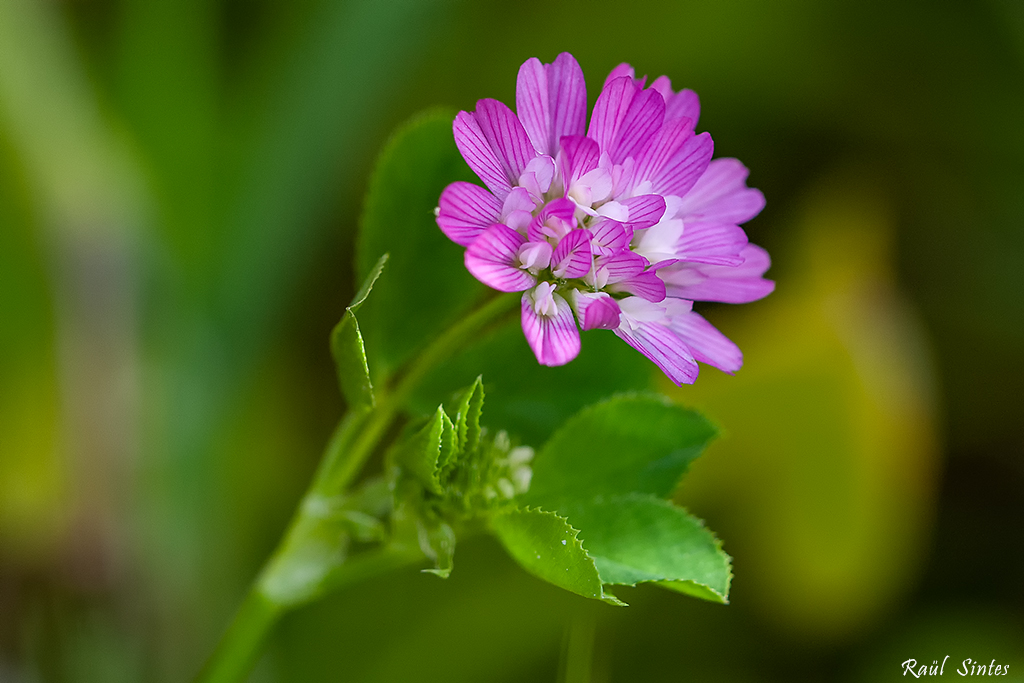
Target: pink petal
{"x": 685, "y": 105}
{"x": 554, "y": 339}
{"x": 578, "y": 156}
{"x": 721, "y": 194}
{"x": 626, "y": 119}
{"x": 506, "y": 136}
{"x": 663, "y": 264}
{"x": 518, "y": 199}
{"x": 713, "y": 243}
{"x": 561, "y": 210}
{"x": 551, "y": 100}
{"x": 572, "y": 257}
{"x": 517, "y": 209}
{"x": 646, "y": 285}
{"x": 465, "y": 210}
{"x": 532, "y": 104}
{"x": 568, "y": 95}
{"x": 706, "y": 342}
{"x": 610, "y": 236}
{"x": 732, "y": 285}
{"x": 537, "y": 175}
{"x": 663, "y": 348}
{"x": 657, "y": 156}
{"x": 623, "y": 70}
{"x": 640, "y": 126}
{"x": 621, "y": 266}
{"x": 682, "y": 105}
{"x": 609, "y": 111}
{"x": 645, "y": 210}
{"x": 685, "y": 167}
{"x": 535, "y": 256}
{"x": 664, "y": 86}
{"x": 477, "y": 152}
{"x": 597, "y": 311}
{"x": 491, "y": 258}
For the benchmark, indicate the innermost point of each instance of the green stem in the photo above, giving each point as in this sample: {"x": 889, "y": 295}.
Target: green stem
{"x": 389, "y": 403}
{"x": 236, "y": 653}
{"x": 354, "y": 440}
{"x": 371, "y": 563}
{"x": 338, "y": 447}
{"x": 578, "y": 647}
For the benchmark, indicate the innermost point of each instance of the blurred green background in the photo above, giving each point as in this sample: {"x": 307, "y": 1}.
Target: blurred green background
{"x": 180, "y": 184}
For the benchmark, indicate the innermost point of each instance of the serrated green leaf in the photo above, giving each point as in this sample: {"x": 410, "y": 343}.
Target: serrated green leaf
{"x": 627, "y": 444}
{"x": 368, "y": 282}
{"x": 468, "y": 410}
{"x": 420, "y": 453}
{"x": 640, "y": 538}
{"x": 547, "y": 546}
{"x": 428, "y": 287}
{"x": 449, "y": 444}
{"x": 348, "y": 350}
{"x": 696, "y": 590}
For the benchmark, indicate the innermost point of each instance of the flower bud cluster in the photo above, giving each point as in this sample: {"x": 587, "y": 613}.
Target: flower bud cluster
{"x": 489, "y": 477}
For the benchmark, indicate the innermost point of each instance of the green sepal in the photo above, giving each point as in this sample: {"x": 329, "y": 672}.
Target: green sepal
{"x": 427, "y": 288}
{"x": 449, "y": 444}
{"x": 419, "y": 454}
{"x": 547, "y": 546}
{"x": 349, "y": 352}
{"x": 467, "y": 416}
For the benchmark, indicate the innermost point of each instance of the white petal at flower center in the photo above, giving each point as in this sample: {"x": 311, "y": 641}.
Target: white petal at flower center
{"x": 544, "y": 299}
{"x": 636, "y": 310}
{"x": 534, "y": 256}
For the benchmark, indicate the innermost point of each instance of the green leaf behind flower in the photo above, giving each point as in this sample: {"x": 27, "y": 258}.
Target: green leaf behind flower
{"x": 427, "y": 287}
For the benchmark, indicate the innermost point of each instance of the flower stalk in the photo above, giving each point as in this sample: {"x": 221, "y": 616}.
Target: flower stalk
{"x": 310, "y": 559}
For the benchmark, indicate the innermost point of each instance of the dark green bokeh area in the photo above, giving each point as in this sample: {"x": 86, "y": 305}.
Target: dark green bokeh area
{"x": 180, "y": 187}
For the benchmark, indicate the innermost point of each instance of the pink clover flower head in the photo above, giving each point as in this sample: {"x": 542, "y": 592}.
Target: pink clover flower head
{"x": 620, "y": 225}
